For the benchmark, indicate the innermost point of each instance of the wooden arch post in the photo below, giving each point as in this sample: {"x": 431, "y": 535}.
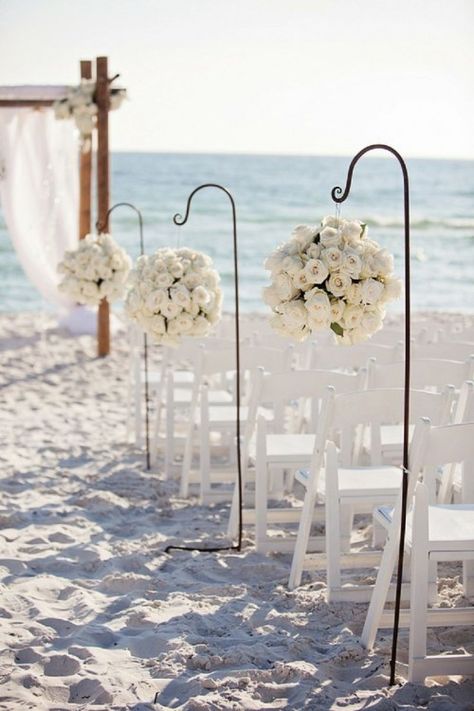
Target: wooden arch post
{"x": 103, "y": 187}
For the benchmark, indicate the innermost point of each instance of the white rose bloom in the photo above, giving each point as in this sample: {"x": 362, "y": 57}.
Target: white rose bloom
{"x": 292, "y": 265}
{"x": 352, "y": 232}
{"x": 337, "y": 310}
{"x": 338, "y": 283}
{"x": 185, "y": 322}
{"x": 330, "y": 237}
{"x": 351, "y": 263}
{"x": 270, "y": 296}
{"x": 283, "y": 285}
{"x": 301, "y": 281}
{"x": 210, "y": 279}
{"x": 352, "y": 316}
{"x": 173, "y": 328}
{"x": 382, "y": 263}
{"x": 354, "y": 294}
{"x": 193, "y": 309}
{"x": 332, "y": 258}
{"x": 294, "y": 315}
{"x": 164, "y": 280}
{"x": 170, "y": 309}
{"x": 201, "y": 326}
{"x": 214, "y": 315}
{"x": 200, "y": 296}
{"x": 371, "y": 291}
{"x": 316, "y": 271}
{"x": 314, "y": 251}
{"x": 154, "y": 300}
{"x": 274, "y": 261}
{"x": 332, "y": 221}
{"x": 392, "y": 289}
{"x": 191, "y": 280}
{"x": 181, "y": 295}
{"x": 304, "y": 235}
{"x": 372, "y": 319}
{"x": 319, "y": 307}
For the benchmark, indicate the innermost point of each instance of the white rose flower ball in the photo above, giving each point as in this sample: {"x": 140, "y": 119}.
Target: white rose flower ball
{"x": 330, "y": 277}
{"x": 175, "y": 293}
{"x": 98, "y": 268}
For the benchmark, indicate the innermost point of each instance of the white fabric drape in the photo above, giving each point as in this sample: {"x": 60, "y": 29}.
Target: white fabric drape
{"x": 39, "y": 192}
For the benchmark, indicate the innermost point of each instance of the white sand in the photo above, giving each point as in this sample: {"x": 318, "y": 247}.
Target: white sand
{"x": 95, "y": 616}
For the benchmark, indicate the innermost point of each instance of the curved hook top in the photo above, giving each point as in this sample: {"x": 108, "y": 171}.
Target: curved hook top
{"x": 338, "y": 195}
{"x": 104, "y": 225}
{"x": 178, "y": 219}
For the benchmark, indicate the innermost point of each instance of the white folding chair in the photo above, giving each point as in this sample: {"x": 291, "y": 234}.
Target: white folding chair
{"x": 277, "y": 450}
{"x": 425, "y": 373}
{"x": 434, "y": 533}
{"x": 175, "y": 395}
{"x": 346, "y": 487}
{"x": 206, "y": 418}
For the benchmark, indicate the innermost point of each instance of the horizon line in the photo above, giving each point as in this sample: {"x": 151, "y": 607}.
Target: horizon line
{"x": 277, "y": 155}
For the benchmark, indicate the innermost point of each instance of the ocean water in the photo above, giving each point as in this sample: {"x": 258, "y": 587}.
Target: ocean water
{"x": 275, "y": 193}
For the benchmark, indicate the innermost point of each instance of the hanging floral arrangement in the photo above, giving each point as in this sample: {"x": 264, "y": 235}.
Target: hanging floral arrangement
{"x": 174, "y": 293}
{"x": 97, "y": 269}
{"x": 330, "y": 276}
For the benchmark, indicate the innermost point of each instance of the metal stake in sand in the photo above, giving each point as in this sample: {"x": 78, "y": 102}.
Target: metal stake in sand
{"x": 339, "y": 196}
{"x": 179, "y": 220}
{"x": 104, "y": 226}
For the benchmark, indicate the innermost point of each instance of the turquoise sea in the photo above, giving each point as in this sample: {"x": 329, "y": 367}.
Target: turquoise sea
{"x": 275, "y": 193}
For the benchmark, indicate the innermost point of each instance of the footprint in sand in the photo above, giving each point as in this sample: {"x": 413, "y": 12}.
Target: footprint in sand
{"x": 61, "y": 665}
{"x": 27, "y": 656}
{"x": 60, "y": 537}
{"x": 89, "y": 691}
{"x": 63, "y": 628}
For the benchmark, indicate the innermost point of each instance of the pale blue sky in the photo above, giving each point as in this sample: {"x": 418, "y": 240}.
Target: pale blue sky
{"x": 264, "y": 76}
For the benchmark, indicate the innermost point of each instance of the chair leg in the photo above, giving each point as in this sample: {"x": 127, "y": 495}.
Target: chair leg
{"x": 379, "y": 594}
{"x": 205, "y": 453}
{"x": 468, "y": 577}
{"x": 379, "y": 535}
{"x": 419, "y": 587}
{"x": 346, "y": 525}
{"x": 302, "y": 540}
{"x": 261, "y": 503}
{"x": 156, "y": 429}
{"x": 169, "y": 429}
{"x": 187, "y": 458}
{"x": 138, "y": 405}
{"x": 333, "y": 538}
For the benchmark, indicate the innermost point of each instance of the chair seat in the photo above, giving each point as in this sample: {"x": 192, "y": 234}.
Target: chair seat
{"x": 287, "y": 448}
{"x": 180, "y": 377}
{"x": 451, "y": 526}
{"x": 224, "y": 415}
{"x": 360, "y": 482}
{"x": 215, "y": 397}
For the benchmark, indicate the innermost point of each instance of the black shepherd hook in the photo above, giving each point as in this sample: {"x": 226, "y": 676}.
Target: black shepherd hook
{"x": 339, "y": 196}
{"x": 180, "y": 220}
{"x": 101, "y": 228}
